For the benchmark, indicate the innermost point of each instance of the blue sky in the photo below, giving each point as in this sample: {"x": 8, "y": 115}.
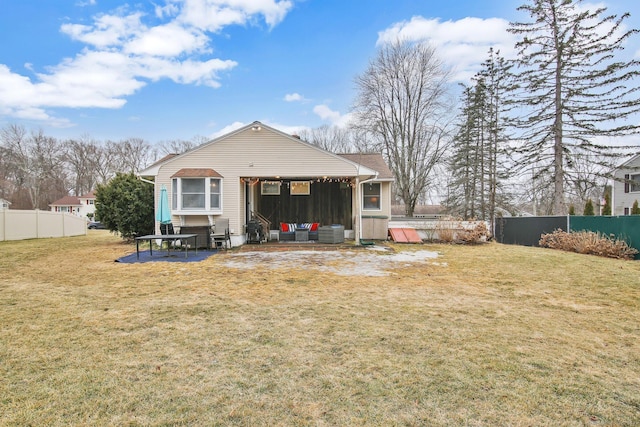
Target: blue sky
{"x": 176, "y": 69}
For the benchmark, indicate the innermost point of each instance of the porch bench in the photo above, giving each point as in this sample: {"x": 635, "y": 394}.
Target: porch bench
{"x": 288, "y": 230}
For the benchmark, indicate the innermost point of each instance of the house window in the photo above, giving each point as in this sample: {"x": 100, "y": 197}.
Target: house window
{"x": 300, "y": 188}
{"x": 193, "y": 193}
{"x": 371, "y": 196}
{"x": 634, "y": 183}
{"x": 270, "y": 188}
{"x": 174, "y": 194}
{"x": 214, "y": 193}
{"x": 196, "y": 194}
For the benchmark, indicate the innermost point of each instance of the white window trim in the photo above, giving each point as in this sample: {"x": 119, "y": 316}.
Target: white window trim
{"x": 207, "y": 198}
{"x": 378, "y": 209}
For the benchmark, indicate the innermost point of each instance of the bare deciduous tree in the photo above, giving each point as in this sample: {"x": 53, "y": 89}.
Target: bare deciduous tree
{"x": 132, "y": 154}
{"x": 402, "y": 103}
{"x": 179, "y": 146}
{"x": 82, "y": 157}
{"x": 35, "y": 165}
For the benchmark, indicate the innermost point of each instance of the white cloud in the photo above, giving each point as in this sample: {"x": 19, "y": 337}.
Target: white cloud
{"x": 123, "y": 54}
{"x": 334, "y": 117}
{"x": 168, "y": 40}
{"x": 462, "y": 44}
{"x": 293, "y": 97}
{"x": 289, "y": 130}
{"x": 228, "y": 129}
{"x": 213, "y": 15}
{"x": 107, "y": 30}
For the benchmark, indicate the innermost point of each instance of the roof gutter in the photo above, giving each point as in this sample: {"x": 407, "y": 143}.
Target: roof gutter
{"x": 146, "y": 180}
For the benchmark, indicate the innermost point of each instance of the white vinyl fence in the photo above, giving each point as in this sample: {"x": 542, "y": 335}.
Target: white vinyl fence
{"x": 430, "y": 229}
{"x": 21, "y": 225}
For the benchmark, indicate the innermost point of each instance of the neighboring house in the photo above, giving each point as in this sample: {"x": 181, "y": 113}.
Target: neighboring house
{"x": 88, "y": 202}
{"x": 83, "y": 206}
{"x": 626, "y": 186}
{"x": 258, "y": 171}
{"x": 4, "y": 204}
{"x": 420, "y": 211}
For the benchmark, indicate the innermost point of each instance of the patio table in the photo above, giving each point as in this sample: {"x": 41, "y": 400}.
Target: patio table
{"x": 166, "y": 238}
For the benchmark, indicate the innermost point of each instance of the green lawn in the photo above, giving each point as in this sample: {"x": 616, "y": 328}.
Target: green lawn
{"x": 488, "y": 335}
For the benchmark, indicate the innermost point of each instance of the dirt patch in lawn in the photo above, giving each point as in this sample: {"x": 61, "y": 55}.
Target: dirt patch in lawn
{"x": 376, "y": 261}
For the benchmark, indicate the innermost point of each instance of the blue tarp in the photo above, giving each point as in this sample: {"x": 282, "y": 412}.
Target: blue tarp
{"x": 164, "y": 256}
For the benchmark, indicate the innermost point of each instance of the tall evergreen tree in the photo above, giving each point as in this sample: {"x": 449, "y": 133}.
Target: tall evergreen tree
{"x": 479, "y": 144}
{"x": 606, "y": 210}
{"x": 125, "y": 205}
{"x": 588, "y": 208}
{"x": 573, "y": 87}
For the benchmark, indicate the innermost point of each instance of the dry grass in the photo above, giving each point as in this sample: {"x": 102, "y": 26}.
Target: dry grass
{"x": 489, "y": 335}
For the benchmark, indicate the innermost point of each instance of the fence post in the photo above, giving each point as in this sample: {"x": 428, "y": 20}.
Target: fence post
{"x": 4, "y": 224}
{"x": 568, "y": 223}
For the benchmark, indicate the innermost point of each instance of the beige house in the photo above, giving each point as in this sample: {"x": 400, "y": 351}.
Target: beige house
{"x": 260, "y": 172}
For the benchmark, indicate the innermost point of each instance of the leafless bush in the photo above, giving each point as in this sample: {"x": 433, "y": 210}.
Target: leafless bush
{"x": 479, "y": 234}
{"x": 445, "y": 231}
{"x": 588, "y": 242}
{"x": 450, "y": 230}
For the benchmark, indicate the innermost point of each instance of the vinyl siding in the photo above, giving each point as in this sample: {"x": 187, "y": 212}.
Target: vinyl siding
{"x": 621, "y": 199}
{"x": 252, "y": 154}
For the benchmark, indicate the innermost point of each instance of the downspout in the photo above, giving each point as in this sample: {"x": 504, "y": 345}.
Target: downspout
{"x": 613, "y": 196}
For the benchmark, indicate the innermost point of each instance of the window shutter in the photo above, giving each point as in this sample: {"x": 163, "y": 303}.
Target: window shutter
{"x": 626, "y": 183}
{"x": 626, "y": 211}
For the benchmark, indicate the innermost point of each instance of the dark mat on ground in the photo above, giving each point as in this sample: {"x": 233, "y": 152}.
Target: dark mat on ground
{"x": 163, "y": 256}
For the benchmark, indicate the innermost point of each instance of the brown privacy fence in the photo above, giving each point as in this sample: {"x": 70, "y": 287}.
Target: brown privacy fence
{"x": 21, "y": 224}
{"x": 526, "y": 231}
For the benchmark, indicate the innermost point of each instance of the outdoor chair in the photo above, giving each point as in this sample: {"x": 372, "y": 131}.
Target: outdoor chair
{"x": 167, "y": 230}
{"x": 221, "y": 237}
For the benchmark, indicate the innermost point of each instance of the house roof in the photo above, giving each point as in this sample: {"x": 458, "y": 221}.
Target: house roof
{"x": 373, "y": 161}
{"x": 419, "y": 210}
{"x": 89, "y": 195}
{"x": 67, "y": 201}
{"x": 629, "y": 161}
{"x": 196, "y": 173}
{"x": 154, "y": 169}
